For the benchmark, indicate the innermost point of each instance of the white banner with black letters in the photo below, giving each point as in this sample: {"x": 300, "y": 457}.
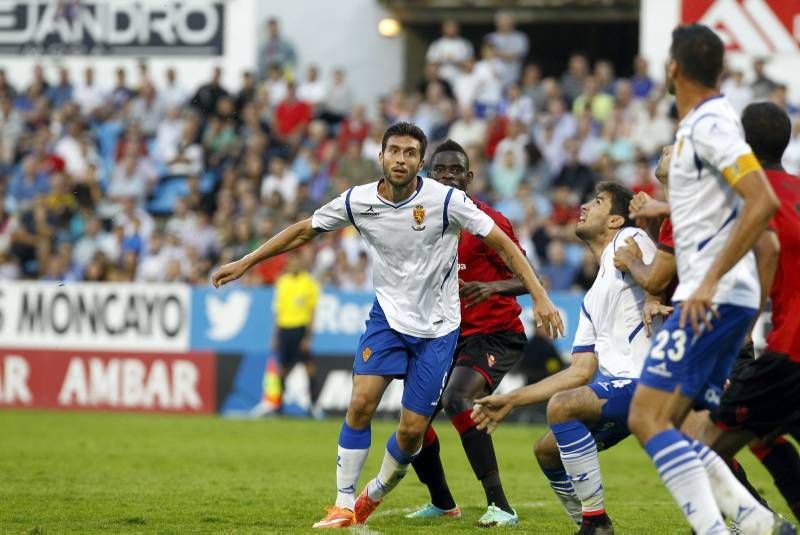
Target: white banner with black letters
{"x": 95, "y": 316}
{"x": 112, "y": 27}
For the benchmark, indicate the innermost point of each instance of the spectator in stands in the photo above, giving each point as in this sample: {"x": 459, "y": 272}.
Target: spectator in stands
{"x": 652, "y": 128}
{"x": 60, "y": 93}
{"x": 574, "y": 175}
{"x": 641, "y": 81}
{"x": 587, "y": 272}
{"x": 247, "y": 93}
{"x": 276, "y": 50}
{"x": 531, "y": 85}
{"x": 133, "y": 177}
{"x": 604, "y": 76}
{"x": 354, "y": 127}
{"x": 186, "y": 156}
{"x": 172, "y": 94}
{"x": 572, "y": 81}
{"x": 510, "y": 46}
{"x": 431, "y": 76}
{"x": 762, "y": 84}
{"x": 738, "y": 93}
{"x": 778, "y": 96}
{"x": 11, "y": 128}
{"x": 313, "y": 90}
{"x": 89, "y": 96}
{"x": 120, "y": 93}
{"x": 559, "y": 273}
{"x": 487, "y": 80}
{"x": 206, "y": 97}
{"x": 517, "y": 106}
{"x": 468, "y": 130}
{"x": 292, "y": 116}
{"x": 280, "y": 180}
{"x": 6, "y": 89}
{"x": 449, "y": 51}
{"x": 592, "y": 101}
{"x": 148, "y": 109}
{"x": 355, "y": 168}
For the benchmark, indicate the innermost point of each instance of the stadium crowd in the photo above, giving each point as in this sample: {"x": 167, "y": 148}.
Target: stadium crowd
{"x": 148, "y": 181}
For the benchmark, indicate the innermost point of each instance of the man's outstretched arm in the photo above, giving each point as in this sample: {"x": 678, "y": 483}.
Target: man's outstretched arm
{"x": 289, "y": 238}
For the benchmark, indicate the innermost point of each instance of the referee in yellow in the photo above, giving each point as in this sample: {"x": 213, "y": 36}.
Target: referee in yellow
{"x": 296, "y": 296}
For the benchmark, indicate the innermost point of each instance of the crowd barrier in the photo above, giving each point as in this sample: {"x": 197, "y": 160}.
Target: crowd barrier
{"x": 177, "y": 348}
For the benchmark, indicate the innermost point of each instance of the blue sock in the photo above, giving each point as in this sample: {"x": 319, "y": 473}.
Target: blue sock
{"x": 351, "y": 456}
{"x": 683, "y": 474}
{"x": 578, "y": 451}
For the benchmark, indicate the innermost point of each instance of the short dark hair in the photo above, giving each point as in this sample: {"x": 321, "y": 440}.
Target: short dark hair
{"x": 699, "y": 53}
{"x": 450, "y": 146}
{"x": 405, "y": 129}
{"x": 767, "y": 129}
{"x": 620, "y": 199}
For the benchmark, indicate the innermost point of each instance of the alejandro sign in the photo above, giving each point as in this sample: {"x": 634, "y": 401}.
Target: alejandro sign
{"x": 106, "y": 27}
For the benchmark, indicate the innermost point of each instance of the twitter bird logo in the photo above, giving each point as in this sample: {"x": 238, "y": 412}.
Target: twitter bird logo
{"x": 226, "y": 315}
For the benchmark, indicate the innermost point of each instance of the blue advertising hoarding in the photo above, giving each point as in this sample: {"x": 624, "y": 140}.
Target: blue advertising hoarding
{"x": 240, "y": 319}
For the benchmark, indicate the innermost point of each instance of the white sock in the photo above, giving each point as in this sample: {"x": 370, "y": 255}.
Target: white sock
{"x": 351, "y": 456}
{"x": 349, "y": 464}
{"x": 732, "y": 497}
{"x": 393, "y": 469}
{"x": 565, "y": 492}
{"x": 687, "y": 481}
{"x": 579, "y": 455}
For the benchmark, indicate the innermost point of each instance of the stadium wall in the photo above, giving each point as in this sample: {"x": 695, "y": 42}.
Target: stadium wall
{"x": 177, "y": 348}
{"x": 750, "y": 29}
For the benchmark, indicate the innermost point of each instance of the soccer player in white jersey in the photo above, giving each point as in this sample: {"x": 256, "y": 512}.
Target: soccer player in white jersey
{"x": 411, "y": 228}
{"x": 721, "y": 202}
{"x": 588, "y": 402}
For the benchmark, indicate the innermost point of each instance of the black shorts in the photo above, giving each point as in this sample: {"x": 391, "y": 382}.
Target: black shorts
{"x": 289, "y": 352}
{"x": 762, "y": 396}
{"x": 491, "y": 355}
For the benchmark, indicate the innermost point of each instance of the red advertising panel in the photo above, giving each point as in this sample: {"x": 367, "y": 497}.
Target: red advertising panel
{"x": 761, "y": 27}
{"x": 99, "y": 380}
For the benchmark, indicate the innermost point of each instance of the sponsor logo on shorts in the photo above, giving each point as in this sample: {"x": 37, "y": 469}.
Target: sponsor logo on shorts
{"x": 660, "y": 369}
{"x": 366, "y": 354}
{"x": 490, "y": 360}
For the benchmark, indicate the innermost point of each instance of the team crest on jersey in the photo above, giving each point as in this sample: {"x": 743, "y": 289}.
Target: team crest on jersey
{"x": 366, "y": 354}
{"x": 490, "y": 360}
{"x": 419, "y": 217}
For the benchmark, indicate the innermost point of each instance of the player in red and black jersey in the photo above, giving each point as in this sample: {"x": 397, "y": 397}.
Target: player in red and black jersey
{"x": 763, "y": 397}
{"x": 490, "y": 343}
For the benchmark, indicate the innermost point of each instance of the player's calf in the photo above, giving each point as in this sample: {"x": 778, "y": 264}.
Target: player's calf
{"x": 546, "y": 451}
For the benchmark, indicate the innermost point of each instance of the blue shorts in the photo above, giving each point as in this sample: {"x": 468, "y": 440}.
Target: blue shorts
{"x": 698, "y": 364}
{"x": 613, "y": 424}
{"x": 424, "y": 363}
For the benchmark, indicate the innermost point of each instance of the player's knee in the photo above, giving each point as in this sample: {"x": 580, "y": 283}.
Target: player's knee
{"x": 559, "y": 408}
{"x": 409, "y": 435}
{"x": 361, "y": 409}
{"x": 455, "y": 401}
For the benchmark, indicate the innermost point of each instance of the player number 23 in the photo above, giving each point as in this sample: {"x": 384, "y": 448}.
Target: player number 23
{"x": 674, "y": 353}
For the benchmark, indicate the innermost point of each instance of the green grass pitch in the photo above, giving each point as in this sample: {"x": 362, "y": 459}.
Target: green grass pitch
{"x": 130, "y": 473}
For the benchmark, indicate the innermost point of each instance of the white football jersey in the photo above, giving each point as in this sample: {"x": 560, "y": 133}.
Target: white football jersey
{"x": 414, "y": 249}
{"x": 710, "y": 154}
{"x": 610, "y": 321}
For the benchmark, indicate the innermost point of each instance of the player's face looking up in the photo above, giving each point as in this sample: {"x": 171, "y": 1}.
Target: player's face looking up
{"x": 596, "y": 217}
{"x": 450, "y": 169}
{"x": 401, "y": 160}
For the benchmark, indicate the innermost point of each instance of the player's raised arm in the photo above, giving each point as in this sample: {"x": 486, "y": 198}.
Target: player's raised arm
{"x": 289, "y": 238}
{"x": 491, "y": 410}
{"x": 546, "y": 314}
